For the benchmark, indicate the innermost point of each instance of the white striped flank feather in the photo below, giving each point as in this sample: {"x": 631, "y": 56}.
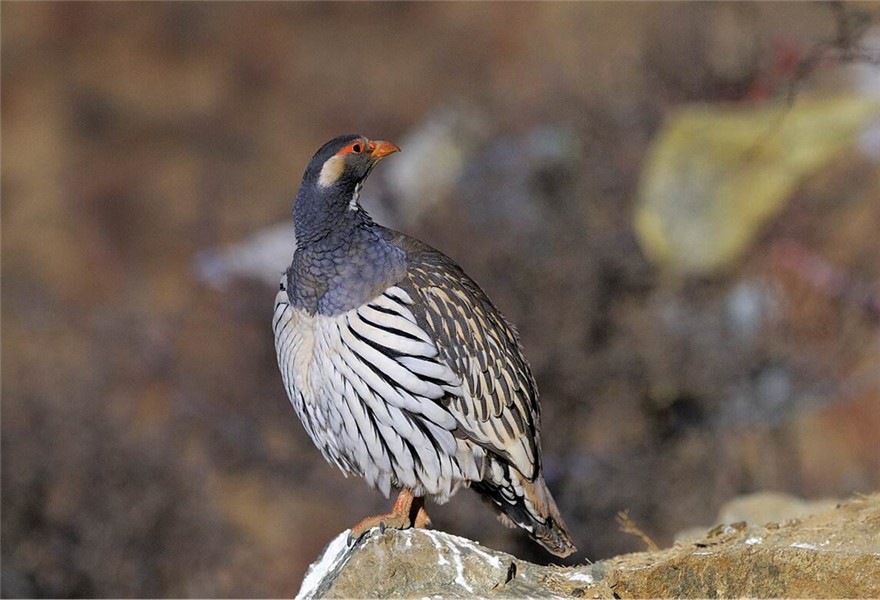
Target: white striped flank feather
{"x": 368, "y": 385}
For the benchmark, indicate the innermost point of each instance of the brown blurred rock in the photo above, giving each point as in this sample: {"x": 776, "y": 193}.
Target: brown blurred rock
{"x": 761, "y": 508}
{"x": 834, "y": 554}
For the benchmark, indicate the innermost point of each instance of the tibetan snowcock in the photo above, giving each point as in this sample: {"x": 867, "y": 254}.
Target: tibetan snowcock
{"x": 401, "y": 369}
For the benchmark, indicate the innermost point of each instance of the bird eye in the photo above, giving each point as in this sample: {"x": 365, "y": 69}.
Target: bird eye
{"x": 357, "y": 148}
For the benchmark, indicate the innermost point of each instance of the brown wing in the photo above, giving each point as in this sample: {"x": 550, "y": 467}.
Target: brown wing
{"x": 498, "y": 409}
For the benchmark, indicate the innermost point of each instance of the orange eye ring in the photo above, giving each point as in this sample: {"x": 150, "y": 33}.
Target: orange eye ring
{"x": 375, "y": 150}
{"x": 356, "y": 147}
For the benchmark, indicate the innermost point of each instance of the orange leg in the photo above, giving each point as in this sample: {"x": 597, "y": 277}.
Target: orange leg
{"x": 408, "y": 511}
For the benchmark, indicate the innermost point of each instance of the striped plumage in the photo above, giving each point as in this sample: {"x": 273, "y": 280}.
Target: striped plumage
{"x": 400, "y": 368}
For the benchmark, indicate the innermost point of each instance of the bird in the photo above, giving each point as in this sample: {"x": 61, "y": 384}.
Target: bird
{"x": 401, "y": 369}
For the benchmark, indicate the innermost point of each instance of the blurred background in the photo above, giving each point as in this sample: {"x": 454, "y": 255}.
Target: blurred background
{"x": 677, "y": 204}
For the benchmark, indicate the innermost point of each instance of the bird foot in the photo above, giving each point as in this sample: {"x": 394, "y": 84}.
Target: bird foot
{"x": 408, "y": 512}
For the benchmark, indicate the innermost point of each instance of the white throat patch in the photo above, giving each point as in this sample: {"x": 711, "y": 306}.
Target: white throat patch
{"x": 331, "y": 171}
{"x": 353, "y": 203}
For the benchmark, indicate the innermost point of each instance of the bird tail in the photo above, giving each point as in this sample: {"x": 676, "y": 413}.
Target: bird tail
{"x": 527, "y": 504}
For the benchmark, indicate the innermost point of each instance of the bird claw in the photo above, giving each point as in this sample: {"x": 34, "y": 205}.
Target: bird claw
{"x": 355, "y": 538}
{"x": 408, "y": 512}
{"x": 356, "y": 534}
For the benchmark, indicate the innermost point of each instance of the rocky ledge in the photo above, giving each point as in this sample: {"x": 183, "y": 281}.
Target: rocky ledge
{"x": 831, "y": 554}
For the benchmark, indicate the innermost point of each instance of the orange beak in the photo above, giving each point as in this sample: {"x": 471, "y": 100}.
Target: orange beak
{"x": 381, "y": 149}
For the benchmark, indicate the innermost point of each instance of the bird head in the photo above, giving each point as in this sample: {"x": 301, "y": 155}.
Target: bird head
{"x": 344, "y": 162}
{"x": 328, "y": 196}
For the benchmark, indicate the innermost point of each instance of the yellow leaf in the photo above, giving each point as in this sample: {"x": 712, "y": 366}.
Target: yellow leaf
{"x": 715, "y": 175}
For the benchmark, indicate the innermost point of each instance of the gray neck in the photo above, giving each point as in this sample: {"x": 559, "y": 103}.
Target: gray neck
{"x": 321, "y": 213}
{"x": 342, "y": 259}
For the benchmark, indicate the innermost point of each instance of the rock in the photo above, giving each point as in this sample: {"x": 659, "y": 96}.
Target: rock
{"x": 771, "y": 507}
{"x": 427, "y": 563}
{"x": 835, "y": 553}
{"x": 761, "y": 508}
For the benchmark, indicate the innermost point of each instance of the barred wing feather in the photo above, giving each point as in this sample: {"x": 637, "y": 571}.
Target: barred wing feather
{"x": 498, "y": 405}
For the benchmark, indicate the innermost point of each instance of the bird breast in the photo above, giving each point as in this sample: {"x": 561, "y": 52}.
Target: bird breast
{"x": 369, "y": 388}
